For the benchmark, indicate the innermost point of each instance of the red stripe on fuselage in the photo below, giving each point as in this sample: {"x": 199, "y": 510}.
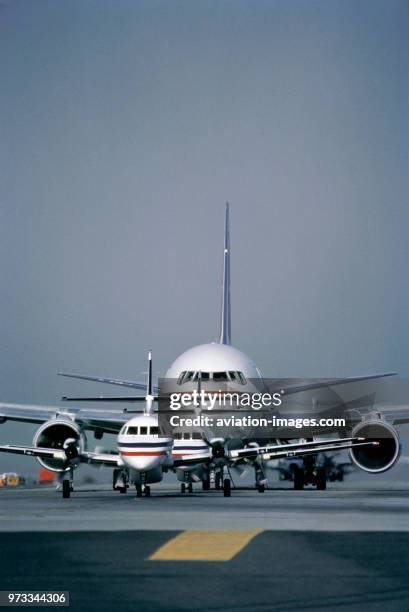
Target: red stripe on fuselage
{"x": 142, "y": 453}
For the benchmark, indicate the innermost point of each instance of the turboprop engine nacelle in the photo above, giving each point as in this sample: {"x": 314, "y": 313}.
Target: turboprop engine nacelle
{"x": 375, "y": 459}
{"x": 61, "y": 434}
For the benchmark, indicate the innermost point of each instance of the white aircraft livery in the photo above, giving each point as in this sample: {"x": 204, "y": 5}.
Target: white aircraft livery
{"x": 144, "y": 453}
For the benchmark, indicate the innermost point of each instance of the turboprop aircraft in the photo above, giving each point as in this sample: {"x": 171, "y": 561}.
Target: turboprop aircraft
{"x": 143, "y": 454}
{"x": 60, "y": 442}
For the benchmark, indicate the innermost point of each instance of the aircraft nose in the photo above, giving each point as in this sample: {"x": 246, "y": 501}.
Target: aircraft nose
{"x": 141, "y": 462}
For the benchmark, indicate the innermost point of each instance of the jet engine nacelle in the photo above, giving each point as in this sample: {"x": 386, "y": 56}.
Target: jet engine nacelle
{"x": 61, "y": 434}
{"x": 376, "y": 459}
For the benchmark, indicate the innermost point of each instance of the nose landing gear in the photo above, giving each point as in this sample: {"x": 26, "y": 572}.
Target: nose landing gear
{"x": 187, "y": 485}
{"x": 142, "y": 488}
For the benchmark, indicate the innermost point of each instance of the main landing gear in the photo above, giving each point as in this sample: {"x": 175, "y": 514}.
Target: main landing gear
{"x": 67, "y": 484}
{"x": 222, "y": 483}
{"x": 260, "y": 479}
{"x": 206, "y": 484}
{"x": 316, "y": 477}
{"x": 218, "y": 479}
{"x": 119, "y": 480}
{"x": 226, "y": 487}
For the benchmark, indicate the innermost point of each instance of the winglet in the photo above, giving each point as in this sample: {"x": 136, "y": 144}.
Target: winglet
{"x": 225, "y": 325}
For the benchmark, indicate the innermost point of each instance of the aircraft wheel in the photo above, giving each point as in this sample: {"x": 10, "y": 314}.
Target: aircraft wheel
{"x": 298, "y": 478}
{"x": 261, "y": 488}
{"x": 226, "y": 487}
{"x": 321, "y": 479}
{"x": 147, "y": 491}
{"x": 183, "y": 488}
{"x": 190, "y": 488}
{"x": 138, "y": 488}
{"x": 66, "y": 489}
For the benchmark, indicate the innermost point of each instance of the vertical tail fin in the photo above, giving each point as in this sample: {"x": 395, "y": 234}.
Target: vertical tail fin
{"x": 225, "y": 325}
{"x": 149, "y": 396}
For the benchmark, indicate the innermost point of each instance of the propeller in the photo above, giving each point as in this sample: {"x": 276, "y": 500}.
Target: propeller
{"x": 71, "y": 449}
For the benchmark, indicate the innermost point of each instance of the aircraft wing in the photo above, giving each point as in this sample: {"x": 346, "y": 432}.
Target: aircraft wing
{"x": 30, "y": 413}
{"x": 46, "y": 453}
{"x": 108, "y": 421}
{"x": 397, "y": 414}
{"x": 280, "y": 451}
{"x": 288, "y": 389}
{"x": 182, "y": 460}
{"x": 100, "y": 458}
{"x": 57, "y": 453}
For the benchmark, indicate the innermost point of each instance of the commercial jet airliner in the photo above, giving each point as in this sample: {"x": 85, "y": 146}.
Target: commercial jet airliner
{"x": 144, "y": 453}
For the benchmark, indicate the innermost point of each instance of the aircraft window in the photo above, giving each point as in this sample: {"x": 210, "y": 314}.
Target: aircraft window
{"x": 177, "y": 435}
{"x": 180, "y": 379}
{"x": 220, "y": 376}
{"x": 234, "y": 377}
{"x": 188, "y": 376}
{"x": 123, "y": 430}
{"x": 242, "y": 378}
{"x": 132, "y": 431}
{"x": 144, "y": 431}
{"x": 154, "y": 431}
{"x": 196, "y": 435}
{"x": 204, "y": 375}
{"x": 186, "y": 435}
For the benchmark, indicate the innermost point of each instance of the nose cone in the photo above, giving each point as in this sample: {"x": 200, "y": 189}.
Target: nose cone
{"x": 142, "y": 462}
{"x": 143, "y": 452}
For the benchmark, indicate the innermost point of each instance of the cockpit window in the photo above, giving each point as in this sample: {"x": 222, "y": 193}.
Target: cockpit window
{"x": 220, "y": 376}
{"x": 193, "y": 376}
{"x": 204, "y": 376}
{"x": 188, "y": 376}
{"x": 154, "y": 431}
{"x": 132, "y": 431}
{"x": 196, "y": 435}
{"x": 186, "y": 435}
{"x": 242, "y": 378}
{"x": 237, "y": 377}
{"x": 143, "y": 430}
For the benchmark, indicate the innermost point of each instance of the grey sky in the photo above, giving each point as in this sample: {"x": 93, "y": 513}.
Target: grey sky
{"x": 125, "y": 127}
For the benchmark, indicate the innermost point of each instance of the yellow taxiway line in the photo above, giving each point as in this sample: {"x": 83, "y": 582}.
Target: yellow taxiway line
{"x": 212, "y": 545}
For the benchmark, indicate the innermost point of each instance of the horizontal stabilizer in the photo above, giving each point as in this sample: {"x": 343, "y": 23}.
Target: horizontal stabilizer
{"x": 133, "y": 384}
{"x": 100, "y": 398}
